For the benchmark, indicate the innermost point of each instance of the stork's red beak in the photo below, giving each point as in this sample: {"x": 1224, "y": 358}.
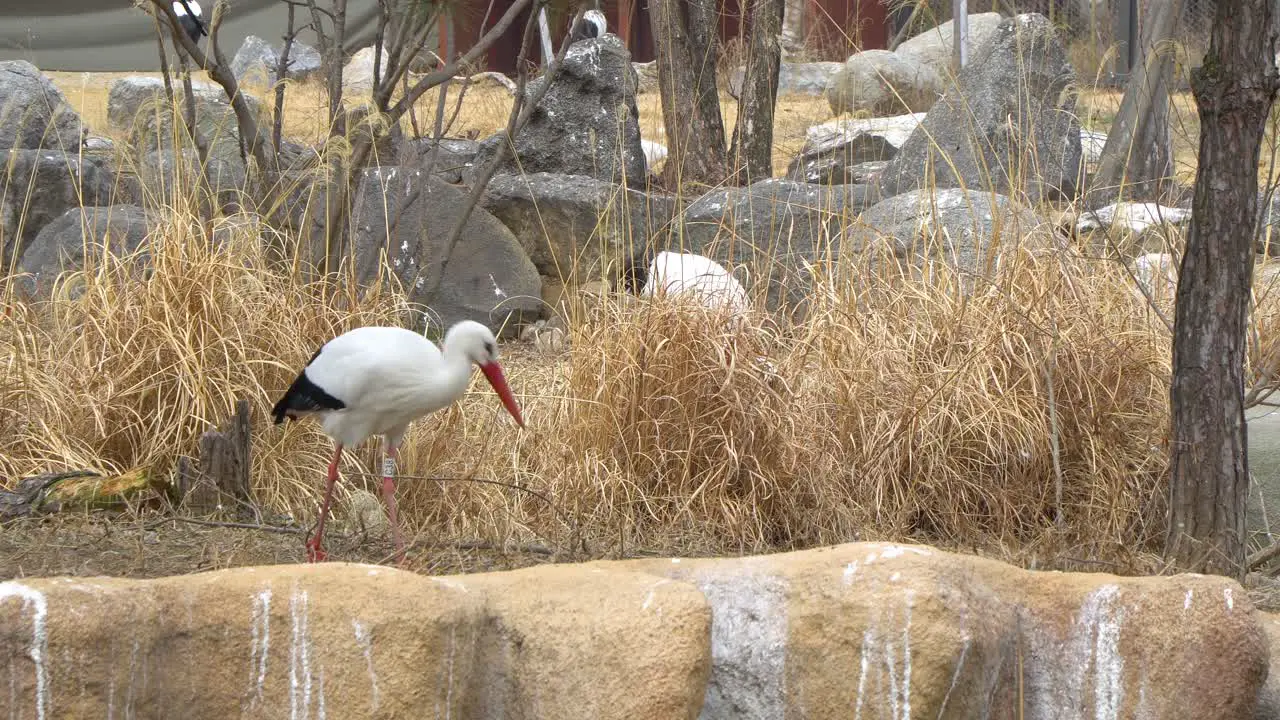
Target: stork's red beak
{"x": 493, "y": 371}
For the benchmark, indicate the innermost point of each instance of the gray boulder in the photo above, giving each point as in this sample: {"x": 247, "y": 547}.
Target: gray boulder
{"x": 60, "y": 246}
{"x": 880, "y": 83}
{"x": 489, "y": 278}
{"x": 575, "y": 228}
{"x": 138, "y": 106}
{"x": 934, "y": 46}
{"x": 838, "y": 153}
{"x": 1009, "y": 125}
{"x": 455, "y": 156}
{"x": 256, "y": 61}
{"x": 809, "y": 78}
{"x": 357, "y": 74}
{"x": 586, "y": 124}
{"x": 771, "y": 230}
{"x": 964, "y": 228}
{"x": 127, "y": 97}
{"x": 33, "y": 113}
{"x": 41, "y": 185}
{"x": 163, "y": 175}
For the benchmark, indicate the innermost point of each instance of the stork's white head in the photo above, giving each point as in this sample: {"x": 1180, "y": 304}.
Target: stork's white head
{"x": 476, "y": 342}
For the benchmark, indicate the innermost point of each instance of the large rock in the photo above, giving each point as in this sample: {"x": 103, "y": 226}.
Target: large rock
{"x": 934, "y": 47}
{"x": 138, "y": 105}
{"x": 33, "y": 113}
{"x": 880, "y": 83}
{"x": 895, "y": 129}
{"x": 169, "y": 177}
{"x": 403, "y": 220}
{"x": 576, "y": 227}
{"x": 876, "y": 630}
{"x": 128, "y": 97}
{"x": 357, "y": 74}
{"x": 833, "y": 152}
{"x": 773, "y": 230}
{"x": 60, "y": 246}
{"x": 965, "y": 228}
{"x": 1009, "y": 125}
{"x": 808, "y": 78}
{"x": 586, "y": 124}
{"x": 257, "y": 61}
{"x": 41, "y": 185}
{"x": 345, "y": 640}
{"x": 454, "y": 157}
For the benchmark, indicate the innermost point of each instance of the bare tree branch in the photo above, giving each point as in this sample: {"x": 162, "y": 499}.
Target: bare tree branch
{"x": 282, "y": 72}
{"x": 480, "y": 48}
{"x": 220, "y": 72}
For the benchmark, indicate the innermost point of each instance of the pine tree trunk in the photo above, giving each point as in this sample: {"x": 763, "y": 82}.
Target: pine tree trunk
{"x": 1234, "y": 90}
{"x": 753, "y": 133}
{"x": 687, "y": 57}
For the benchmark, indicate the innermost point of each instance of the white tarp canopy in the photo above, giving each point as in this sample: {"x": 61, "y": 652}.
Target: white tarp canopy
{"x": 115, "y": 36}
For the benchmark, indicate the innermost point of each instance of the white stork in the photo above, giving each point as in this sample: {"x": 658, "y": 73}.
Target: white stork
{"x": 190, "y": 18}
{"x": 689, "y": 275}
{"x": 592, "y": 25}
{"x": 377, "y": 380}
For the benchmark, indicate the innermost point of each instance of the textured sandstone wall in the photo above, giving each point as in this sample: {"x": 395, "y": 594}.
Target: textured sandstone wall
{"x": 855, "y": 631}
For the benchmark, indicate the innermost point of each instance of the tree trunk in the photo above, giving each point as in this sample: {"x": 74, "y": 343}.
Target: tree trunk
{"x": 1234, "y": 90}
{"x": 793, "y": 25}
{"x": 687, "y": 55}
{"x": 1137, "y": 161}
{"x": 753, "y": 133}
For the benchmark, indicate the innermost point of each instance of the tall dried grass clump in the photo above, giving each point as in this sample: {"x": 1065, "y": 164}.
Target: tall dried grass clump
{"x": 123, "y": 369}
{"x": 897, "y": 409}
{"x": 1023, "y": 411}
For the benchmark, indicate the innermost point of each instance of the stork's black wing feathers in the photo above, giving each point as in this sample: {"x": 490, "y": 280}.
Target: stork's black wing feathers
{"x": 305, "y": 396}
{"x": 195, "y": 19}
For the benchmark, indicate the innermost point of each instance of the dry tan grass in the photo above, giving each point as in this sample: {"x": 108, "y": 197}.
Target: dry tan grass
{"x": 924, "y": 414}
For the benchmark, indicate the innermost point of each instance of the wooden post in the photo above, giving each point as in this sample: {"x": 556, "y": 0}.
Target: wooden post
{"x": 960, "y": 34}
{"x": 222, "y": 476}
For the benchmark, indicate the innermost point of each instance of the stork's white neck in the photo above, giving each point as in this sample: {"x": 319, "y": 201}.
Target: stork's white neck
{"x": 455, "y": 376}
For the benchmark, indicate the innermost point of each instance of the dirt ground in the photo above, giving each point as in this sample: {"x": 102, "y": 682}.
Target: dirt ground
{"x": 157, "y": 545}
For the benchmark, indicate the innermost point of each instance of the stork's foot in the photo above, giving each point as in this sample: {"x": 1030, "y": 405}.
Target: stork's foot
{"x": 315, "y": 553}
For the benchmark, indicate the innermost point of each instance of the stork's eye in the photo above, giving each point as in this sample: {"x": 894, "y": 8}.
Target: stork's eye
{"x": 490, "y": 349}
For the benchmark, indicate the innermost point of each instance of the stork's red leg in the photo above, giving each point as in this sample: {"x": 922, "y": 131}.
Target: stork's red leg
{"x": 315, "y": 553}
{"x": 389, "y": 497}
